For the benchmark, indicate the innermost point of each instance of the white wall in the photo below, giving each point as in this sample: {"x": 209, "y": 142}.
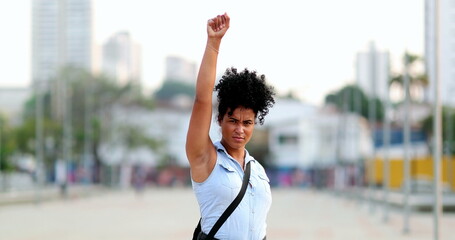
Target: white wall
{"x": 317, "y": 138}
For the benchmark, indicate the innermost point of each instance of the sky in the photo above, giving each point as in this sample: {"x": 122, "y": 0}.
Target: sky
{"x": 307, "y": 47}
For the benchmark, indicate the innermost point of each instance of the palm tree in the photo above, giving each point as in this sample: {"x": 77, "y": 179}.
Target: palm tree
{"x": 418, "y": 80}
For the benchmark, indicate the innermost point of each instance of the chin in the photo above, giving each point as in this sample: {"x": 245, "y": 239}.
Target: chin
{"x": 236, "y": 145}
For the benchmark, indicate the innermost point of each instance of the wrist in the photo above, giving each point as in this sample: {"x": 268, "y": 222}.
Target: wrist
{"x": 213, "y": 44}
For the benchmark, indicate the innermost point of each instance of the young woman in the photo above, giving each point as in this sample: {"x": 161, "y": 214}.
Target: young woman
{"x": 217, "y": 168}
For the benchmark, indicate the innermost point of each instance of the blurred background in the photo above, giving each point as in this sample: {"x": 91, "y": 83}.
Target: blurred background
{"x": 96, "y": 95}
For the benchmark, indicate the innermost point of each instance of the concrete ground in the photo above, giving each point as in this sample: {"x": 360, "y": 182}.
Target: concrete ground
{"x": 172, "y": 214}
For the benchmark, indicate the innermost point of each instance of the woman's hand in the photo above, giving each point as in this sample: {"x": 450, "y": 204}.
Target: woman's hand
{"x": 217, "y": 26}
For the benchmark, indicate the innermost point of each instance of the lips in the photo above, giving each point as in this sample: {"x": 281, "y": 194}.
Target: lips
{"x": 239, "y": 139}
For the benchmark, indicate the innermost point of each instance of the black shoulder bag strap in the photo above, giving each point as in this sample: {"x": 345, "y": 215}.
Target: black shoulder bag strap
{"x": 231, "y": 207}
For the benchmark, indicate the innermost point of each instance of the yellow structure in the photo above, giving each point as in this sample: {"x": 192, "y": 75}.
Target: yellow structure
{"x": 421, "y": 169}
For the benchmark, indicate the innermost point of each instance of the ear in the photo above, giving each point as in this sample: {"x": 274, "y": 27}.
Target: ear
{"x": 219, "y": 119}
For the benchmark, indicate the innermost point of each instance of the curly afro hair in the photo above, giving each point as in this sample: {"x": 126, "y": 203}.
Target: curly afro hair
{"x": 246, "y": 89}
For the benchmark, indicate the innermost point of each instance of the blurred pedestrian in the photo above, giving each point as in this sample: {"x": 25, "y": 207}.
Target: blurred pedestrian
{"x": 139, "y": 179}
{"x": 217, "y": 168}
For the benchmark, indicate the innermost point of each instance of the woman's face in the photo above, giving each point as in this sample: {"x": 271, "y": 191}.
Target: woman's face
{"x": 237, "y": 129}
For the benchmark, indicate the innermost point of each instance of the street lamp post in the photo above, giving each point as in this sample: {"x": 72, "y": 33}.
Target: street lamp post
{"x": 372, "y": 120}
{"x": 449, "y": 139}
{"x": 386, "y": 163}
{"x": 359, "y": 177}
{"x": 407, "y": 137}
{"x": 67, "y": 130}
{"x": 449, "y": 147}
{"x": 437, "y": 207}
{"x": 38, "y": 138}
{"x": 87, "y": 128}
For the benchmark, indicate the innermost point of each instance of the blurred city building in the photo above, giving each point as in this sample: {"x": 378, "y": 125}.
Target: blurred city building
{"x": 446, "y": 53}
{"x": 61, "y": 35}
{"x": 178, "y": 88}
{"x": 180, "y": 69}
{"x": 306, "y": 136}
{"x": 121, "y": 59}
{"x": 12, "y": 102}
{"x": 298, "y": 137}
{"x": 373, "y": 72}
{"x": 306, "y": 140}
{"x": 167, "y": 126}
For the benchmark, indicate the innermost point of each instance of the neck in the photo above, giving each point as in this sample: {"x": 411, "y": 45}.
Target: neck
{"x": 237, "y": 154}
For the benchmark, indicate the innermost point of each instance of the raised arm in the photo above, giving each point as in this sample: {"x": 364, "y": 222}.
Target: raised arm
{"x": 199, "y": 147}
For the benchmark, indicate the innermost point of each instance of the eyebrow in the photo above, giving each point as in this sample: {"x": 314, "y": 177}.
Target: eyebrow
{"x": 233, "y": 118}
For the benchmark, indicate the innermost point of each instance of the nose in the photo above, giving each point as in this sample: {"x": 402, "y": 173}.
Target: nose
{"x": 239, "y": 128}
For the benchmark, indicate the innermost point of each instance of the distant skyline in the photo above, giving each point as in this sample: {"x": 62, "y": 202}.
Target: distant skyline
{"x": 305, "y": 46}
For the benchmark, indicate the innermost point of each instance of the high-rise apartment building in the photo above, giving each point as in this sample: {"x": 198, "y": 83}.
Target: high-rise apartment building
{"x": 372, "y": 72}
{"x": 180, "y": 69}
{"x": 446, "y": 53}
{"x": 121, "y": 59}
{"x": 61, "y": 36}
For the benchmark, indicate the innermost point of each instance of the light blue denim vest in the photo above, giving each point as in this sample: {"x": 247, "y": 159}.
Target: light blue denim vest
{"x": 214, "y": 195}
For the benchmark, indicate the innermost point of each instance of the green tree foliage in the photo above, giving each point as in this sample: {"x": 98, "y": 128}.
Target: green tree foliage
{"x": 134, "y": 137}
{"x": 417, "y": 78}
{"x": 25, "y": 134}
{"x": 292, "y": 95}
{"x": 352, "y": 99}
{"x": 172, "y": 88}
{"x": 7, "y": 145}
{"x": 91, "y": 98}
{"x": 448, "y": 128}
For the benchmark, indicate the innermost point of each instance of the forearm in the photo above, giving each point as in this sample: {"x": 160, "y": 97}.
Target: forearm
{"x": 202, "y": 109}
{"x": 207, "y": 71}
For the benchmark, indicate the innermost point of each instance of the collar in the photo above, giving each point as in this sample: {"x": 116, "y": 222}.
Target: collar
{"x": 219, "y": 147}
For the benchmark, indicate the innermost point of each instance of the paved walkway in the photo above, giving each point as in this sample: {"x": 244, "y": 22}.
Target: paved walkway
{"x": 172, "y": 214}
{"x": 48, "y": 193}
